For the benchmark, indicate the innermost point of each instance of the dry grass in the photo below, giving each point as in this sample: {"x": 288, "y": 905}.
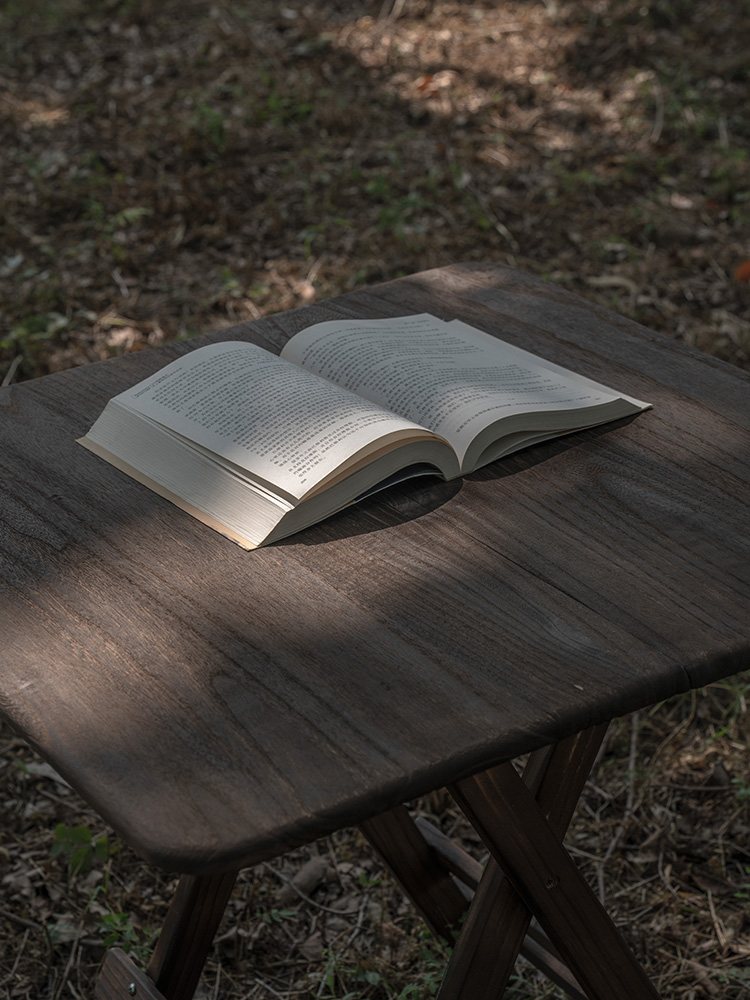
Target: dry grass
{"x": 168, "y": 168}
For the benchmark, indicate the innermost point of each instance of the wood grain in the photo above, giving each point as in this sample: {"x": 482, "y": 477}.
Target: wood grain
{"x": 188, "y": 932}
{"x": 498, "y": 920}
{"x": 438, "y": 899}
{"x": 218, "y": 707}
{"x": 121, "y": 979}
{"x": 514, "y": 826}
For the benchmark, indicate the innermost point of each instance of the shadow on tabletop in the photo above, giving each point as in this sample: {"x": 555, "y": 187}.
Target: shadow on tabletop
{"x": 421, "y": 495}
{"x": 218, "y": 707}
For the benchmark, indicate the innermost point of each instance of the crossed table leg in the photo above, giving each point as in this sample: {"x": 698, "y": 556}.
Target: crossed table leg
{"x": 522, "y": 822}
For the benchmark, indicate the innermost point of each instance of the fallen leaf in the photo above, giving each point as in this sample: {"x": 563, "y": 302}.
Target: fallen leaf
{"x": 312, "y": 948}
{"x": 312, "y": 874}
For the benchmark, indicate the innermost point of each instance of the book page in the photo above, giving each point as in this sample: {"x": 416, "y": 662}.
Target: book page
{"x": 448, "y": 377}
{"x": 285, "y": 426}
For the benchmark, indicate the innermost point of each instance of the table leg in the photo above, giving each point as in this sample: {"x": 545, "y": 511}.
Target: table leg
{"x": 536, "y": 946}
{"x": 524, "y": 833}
{"x": 180, "y": 953}
{"x": 410, "y": 849}
{"x": 497, "y": 925}
{"x": 498, "y": 921}
{"x": 120, "y": 979}
{"x": 404, "y": 849}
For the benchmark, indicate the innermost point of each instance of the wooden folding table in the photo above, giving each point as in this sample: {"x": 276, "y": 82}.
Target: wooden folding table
{"x": 219, "y": 707}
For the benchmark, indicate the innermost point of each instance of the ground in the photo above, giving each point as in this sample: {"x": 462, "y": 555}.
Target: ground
{"x": 169, "y": 168}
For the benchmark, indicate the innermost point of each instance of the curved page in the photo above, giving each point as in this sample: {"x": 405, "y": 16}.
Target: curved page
{"x": 454, "y": 379}
{"x": 286, "y": 427}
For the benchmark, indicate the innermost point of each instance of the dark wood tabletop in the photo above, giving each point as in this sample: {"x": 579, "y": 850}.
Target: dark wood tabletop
{"x": 218, "y": 707}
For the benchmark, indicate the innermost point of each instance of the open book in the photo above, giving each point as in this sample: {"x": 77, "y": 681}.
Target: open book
{"x": 259, "y": 446}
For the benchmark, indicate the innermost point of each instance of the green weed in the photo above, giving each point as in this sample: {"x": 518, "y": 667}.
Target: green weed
{"x": 83, "y": 851}
{"x": 730, "y": 179}
{"x": 209, "y": 128}
{"x": 434, "y": 958}
{"x": 343, "y": 982}
{"x": 30, "y": 337}
{"x": 120, "y": 932}
{"x": 275, "y": 916}
{"x": 129, "y": 216}
{"x": 77, "y": 844}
